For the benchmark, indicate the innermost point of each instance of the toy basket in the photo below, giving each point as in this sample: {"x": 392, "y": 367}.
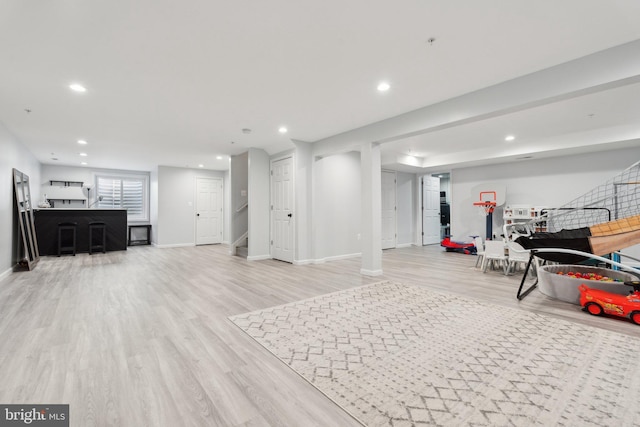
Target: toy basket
{"x": 565, "y": 288}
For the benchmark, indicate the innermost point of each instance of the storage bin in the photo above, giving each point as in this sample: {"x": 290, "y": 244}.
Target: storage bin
{"x": 565, "y": 288}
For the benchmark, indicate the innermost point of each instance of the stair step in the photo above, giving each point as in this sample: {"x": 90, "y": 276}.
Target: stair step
{"x": 242, "y": 251}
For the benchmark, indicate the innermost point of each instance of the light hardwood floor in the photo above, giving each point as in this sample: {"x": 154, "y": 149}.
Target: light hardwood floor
{"x": 141, "y": 337}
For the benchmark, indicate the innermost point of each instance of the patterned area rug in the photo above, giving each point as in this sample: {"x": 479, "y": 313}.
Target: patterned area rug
{"x": 397, "y": 355}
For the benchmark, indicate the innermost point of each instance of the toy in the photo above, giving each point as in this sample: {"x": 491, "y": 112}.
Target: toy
{"x": 462, "y": 247}
{"x": 598, "y": 302}
{"x": 588, "y": 276}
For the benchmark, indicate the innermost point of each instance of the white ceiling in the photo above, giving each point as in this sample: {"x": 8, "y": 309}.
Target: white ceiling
{"x": 174, "y": 83}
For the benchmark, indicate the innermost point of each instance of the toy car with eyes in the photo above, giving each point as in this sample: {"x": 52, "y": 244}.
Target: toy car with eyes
{"x": 598, "y": 302}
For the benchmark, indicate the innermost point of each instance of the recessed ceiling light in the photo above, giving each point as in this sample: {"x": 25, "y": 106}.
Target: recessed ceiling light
{"x": 509, "y": 138}
{"x": 200, "y": 165}
{"x": 83, "y": 163}
{"x": 282, "y": 129}
{"x": 383, "y": 86}
{"x": 219, "y": 157}
{"x": 76, "y": 87}
{"x": 84, "y": 154}
{"x": 82, "y": 142}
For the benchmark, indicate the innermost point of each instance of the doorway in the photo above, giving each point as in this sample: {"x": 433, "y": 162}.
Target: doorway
{"x": 209, "y": 213}
{"x": 430, "y": 210}
{"x": 282, "y": 220}
{"x": 389, "y": 223}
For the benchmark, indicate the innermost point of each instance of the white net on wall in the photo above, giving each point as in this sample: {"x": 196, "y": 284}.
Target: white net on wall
{"x": 617, "y": 198}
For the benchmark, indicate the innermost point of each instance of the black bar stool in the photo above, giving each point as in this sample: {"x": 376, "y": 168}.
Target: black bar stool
{"x": 101, "y": 230}
{"x": 67, "y": 232}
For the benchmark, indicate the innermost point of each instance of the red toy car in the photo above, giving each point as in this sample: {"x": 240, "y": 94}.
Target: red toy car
{"x": 598, "y": 302}
{"x": 449, "y": 245}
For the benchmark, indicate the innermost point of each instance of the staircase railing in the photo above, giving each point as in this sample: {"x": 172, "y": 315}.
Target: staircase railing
{"x": 234, "y": 246}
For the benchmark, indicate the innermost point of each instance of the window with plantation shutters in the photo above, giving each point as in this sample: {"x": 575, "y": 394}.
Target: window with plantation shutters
{"x": 128, "y": 193}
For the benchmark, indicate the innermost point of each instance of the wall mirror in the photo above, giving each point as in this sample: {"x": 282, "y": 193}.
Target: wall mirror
{"x": 26, "y": 244}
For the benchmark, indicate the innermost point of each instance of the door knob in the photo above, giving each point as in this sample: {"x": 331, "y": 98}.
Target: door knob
{"x": 290, "y": 215}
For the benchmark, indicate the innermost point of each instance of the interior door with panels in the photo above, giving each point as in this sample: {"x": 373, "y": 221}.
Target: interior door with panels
{"x": 282, "y": 221}
{"x": 430, "y": 210}
{"x": 389, "y": 223}
{"x": 209, "y": 206}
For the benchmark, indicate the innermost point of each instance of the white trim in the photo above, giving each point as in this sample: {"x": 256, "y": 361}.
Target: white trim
{"x": 370, "y": 272}
{"x": 336, "y": 258}
{"x": 258, "y": 257}
{"x": 5, "y": 274}
{"x": 303, "y": 262}
{"x": 404, "y": 245}
{"x": 175, "y": 245}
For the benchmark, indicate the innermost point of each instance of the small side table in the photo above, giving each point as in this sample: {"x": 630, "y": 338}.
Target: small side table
{"x": 139, "y": 237}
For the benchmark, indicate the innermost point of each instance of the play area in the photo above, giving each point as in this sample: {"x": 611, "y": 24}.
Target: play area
{"x": 572, "y": 252}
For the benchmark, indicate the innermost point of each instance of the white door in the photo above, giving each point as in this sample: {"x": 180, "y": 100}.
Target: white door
{"x": 430, "y": 210}
{"x": 282, "y": 220}
{"x": 388, "y": 210}
{"x": 209, "y": 199}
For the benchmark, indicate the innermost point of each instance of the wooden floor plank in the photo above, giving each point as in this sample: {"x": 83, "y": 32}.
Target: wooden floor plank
{"x": 141, "y": 337}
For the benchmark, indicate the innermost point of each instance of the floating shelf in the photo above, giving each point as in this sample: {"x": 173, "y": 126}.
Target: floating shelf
{"x": 64, "y": 192}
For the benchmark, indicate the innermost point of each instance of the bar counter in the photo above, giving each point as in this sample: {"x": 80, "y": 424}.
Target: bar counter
{"x": 47, "y": 220}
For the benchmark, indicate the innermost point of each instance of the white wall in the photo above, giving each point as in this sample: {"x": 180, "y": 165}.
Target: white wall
{"x": 14, "y": 155}
{"x": 547, "y": 182}
{"x": 407, "y": 207}
{"x": 303, "y": 161}
{"x": 227, "y": 207}
{"x": 153, "y": 208}
{"x": 176, "y": 205}
{"x": 259, "y": 205}
{"x": 336, "y": 206}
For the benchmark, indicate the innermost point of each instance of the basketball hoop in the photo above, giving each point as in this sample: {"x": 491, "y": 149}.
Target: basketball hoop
{"x": 488, "y": 201}
{"x": 485, "y": 208}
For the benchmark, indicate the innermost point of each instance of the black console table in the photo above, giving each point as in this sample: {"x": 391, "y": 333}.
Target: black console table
{"x": 47, "y": 220}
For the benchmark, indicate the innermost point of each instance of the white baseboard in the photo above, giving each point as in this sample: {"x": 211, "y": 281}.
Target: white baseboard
{"x": 404, "y": 245}
{"x": 175, "y": 245}
{"x": 338, "y": 257}
{"x": 258, "y": 257}
{"x": 370, "y": 272}
{"x": 327, "y": 259}
{"x": 5, "y": 274}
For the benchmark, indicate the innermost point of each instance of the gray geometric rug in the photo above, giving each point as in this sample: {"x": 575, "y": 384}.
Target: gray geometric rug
{"x": 397, "y": 355}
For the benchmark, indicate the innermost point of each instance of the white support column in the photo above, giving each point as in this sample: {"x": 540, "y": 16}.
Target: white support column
{"x": 371, "y": 174}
